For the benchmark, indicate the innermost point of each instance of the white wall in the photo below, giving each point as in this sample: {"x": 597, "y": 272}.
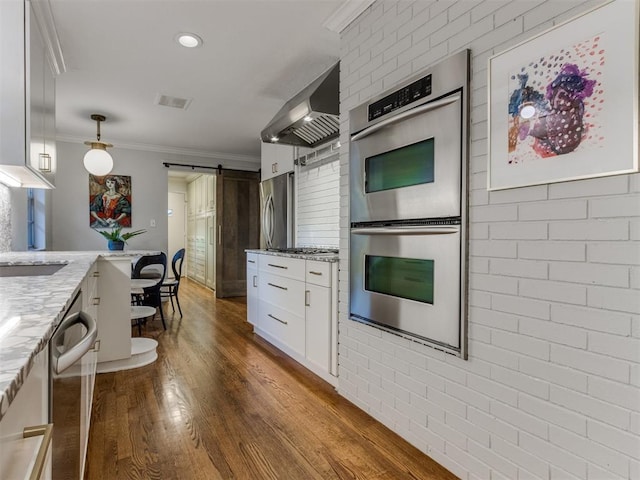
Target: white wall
{"x": 70, "y": 199}
{"x": 318, "y": 204}
{"x": 551, "y": 387}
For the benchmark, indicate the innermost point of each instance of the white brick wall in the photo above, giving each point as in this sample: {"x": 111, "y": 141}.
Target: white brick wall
{"x": 551, "y": 389}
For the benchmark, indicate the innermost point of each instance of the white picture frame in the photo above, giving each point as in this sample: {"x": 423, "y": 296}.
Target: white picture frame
{"x": 563, "y": 105}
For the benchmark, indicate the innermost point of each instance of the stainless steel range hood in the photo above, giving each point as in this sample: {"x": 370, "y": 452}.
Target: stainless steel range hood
{"x": 311, "y": 117}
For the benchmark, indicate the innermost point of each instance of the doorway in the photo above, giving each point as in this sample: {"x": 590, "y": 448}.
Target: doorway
{"x": 176, "y": 224}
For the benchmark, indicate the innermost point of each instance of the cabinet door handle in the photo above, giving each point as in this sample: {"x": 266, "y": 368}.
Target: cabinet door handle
{"x": 315, "y": 273}
{"x": 96, "y": 274}
{"x": 307, "y": 298}
{"x": 95, "y": 301}
{"x": 255, "y": 280}
{"x": 251, "y": 261}
{"x": 277, "y": 286}
{"x": 45, "y": 431}
{"x": 276, "y": 318}
{"x": 278, "y": 266}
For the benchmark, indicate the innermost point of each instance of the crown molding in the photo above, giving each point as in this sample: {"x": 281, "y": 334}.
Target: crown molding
{"x": 47, "y": 26}
{"x": 345, "y": 14}
{"x": 249, "y": 161}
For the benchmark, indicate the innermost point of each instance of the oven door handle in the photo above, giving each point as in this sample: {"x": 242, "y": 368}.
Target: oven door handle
{"x": 407, "y": 230}
{"x": 62, "y": 361}
{"x": 404, "y": 115}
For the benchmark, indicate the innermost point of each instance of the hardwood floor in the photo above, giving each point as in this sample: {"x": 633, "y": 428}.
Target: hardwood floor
{"x": 221, "y": 403}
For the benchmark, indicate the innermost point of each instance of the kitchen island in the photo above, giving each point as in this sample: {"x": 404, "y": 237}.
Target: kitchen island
{"x": 32, "y": 306}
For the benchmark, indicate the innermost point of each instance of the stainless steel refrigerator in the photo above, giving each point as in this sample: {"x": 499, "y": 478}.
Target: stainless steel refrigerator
{"x": 277, "y": 212}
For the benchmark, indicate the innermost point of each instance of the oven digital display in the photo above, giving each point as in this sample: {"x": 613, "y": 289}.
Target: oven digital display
{"x": 409, "y": 278}
{"x": 403, "y": 167}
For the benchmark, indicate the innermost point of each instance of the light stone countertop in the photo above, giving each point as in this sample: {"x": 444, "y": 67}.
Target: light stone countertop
{"x": 320, "y": 257}
{"x": 31, "y": 307}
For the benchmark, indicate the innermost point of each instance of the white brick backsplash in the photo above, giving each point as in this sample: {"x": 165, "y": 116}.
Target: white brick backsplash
{"x": 592, "y": 319}
{"x": 619, "y": 206}
{"x": 615, "y": 346}
{"x": 521, "y": 344}
{"x": 530, "y": 463}
{"x": 596, "y": 229}
{"x": 541, "y": 250}
{"x": 554, "y": 275}
{"x": 553, "y": 414}
{"x": 554, "y": 332}
{"x": 589, "y": 362}
{"x": 589, "y": 406}
{"x": 623, "y": 442}
{"x": 571, "y": 463}
{"x": 590, "y": 273}
{"x": 622, "y": 300}
{"x": 519, "y": 268}
{"x": 555, "y": 374}
{"x": 493, "y": 389}
{"x": 588, "y": 449}
{"x": 521, "y": 306}
{"x": 557, "y": 210}
{"x": 491, "y": 318}
{"x": 554, "y": 291}
{"x": 627, "y": 253}
{"x": 525, "y": 194}
{"x": 594, "y": 187}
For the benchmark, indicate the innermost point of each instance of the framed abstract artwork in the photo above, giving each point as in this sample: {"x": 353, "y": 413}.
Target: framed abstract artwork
{"x": 564, "y": 104}
{"x": 109, "y": 201}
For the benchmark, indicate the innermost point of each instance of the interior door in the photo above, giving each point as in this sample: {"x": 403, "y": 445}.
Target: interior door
{"x": 176, "y": 225}
{"x": 238, "y": 222}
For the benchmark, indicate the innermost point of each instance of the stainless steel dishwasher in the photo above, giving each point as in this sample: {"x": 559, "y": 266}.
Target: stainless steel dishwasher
{"x": 72, "y": 367}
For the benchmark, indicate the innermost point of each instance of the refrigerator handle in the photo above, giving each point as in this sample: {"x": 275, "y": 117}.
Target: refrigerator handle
{"x": 267, "y": 221}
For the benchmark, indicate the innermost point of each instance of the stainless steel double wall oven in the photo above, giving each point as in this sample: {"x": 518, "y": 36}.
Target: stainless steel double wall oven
{"x": 408, "y": 194}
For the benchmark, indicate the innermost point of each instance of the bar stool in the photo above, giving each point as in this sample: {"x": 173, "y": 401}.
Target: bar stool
{"x": 139, "y": 314}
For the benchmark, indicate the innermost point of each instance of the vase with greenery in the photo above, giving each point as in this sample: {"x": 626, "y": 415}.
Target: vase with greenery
{"x": 116, "y": 238}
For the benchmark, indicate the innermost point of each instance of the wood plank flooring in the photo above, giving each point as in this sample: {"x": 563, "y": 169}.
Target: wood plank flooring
{"x": 221, "y": 403}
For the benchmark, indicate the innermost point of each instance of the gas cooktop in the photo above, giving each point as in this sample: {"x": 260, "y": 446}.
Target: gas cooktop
{"x": 304, "y": 250}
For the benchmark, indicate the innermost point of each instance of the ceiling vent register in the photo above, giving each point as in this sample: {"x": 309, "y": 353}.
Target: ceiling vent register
{"x": 173, "y": 102}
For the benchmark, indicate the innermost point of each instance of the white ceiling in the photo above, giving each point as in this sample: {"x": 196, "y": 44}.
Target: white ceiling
{"x": 120, "y": 54}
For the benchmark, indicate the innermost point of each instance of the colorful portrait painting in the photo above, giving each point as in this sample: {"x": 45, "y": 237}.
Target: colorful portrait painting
{"x": 110, "y": 201}
{"x": 555, "y": 101}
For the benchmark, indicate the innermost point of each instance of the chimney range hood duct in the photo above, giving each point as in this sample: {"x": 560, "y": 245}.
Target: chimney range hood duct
{"x": 311, "y": 117}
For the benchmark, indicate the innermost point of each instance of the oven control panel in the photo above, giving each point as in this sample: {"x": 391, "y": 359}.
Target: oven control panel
{"x": 411, "y": 93}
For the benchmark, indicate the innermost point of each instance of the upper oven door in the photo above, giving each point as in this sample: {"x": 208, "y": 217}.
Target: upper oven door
{"x": 409, "y": 166}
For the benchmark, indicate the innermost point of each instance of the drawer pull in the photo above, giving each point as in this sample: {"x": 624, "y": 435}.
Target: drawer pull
{"x": 307, "y": 298}
{"x": 315, "y": 273}
{"x": 278, "y": 266}
{"x": 251, "y": 261}
{"x": 276, "y": 318}
{"x": 45, "y": 431}
{"x": 277, "y": 286}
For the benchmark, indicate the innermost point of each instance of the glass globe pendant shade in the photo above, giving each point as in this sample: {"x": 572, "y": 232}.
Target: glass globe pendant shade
{"x": 98, "y": 162}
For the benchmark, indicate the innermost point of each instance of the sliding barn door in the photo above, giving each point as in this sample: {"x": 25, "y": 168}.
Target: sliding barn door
{"x": 238, "y": 221}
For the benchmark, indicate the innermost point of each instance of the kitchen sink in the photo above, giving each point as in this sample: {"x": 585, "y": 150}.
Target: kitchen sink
{"x": 30, "y": 270}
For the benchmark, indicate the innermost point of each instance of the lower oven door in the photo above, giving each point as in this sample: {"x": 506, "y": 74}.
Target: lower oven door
{"x": 408, "y": 279}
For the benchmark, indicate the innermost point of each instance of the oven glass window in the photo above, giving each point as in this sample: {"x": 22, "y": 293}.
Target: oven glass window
{"x": 402, "y": 167}
{"x": 409, "y": 278}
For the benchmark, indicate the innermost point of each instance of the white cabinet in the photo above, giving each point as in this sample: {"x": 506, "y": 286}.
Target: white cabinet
{"x": 28, "y": 409}
{"x": 210, "y": 262}
{"x": 252, "y": 288}
{"x": 294, "y": 307}
{"x": 275, "y": 159}
{"x": 201, "y": 230}
{"x": 27, "y": 95}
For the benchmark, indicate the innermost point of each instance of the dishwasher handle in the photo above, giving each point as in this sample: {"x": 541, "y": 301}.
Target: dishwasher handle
{"x": 62, "y": 361}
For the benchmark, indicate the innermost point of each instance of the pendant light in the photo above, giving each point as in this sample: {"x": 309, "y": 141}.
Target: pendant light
{"x": 97, "y": 160}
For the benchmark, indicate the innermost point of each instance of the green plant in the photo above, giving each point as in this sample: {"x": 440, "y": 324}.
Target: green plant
{"x": 116, "y": 235}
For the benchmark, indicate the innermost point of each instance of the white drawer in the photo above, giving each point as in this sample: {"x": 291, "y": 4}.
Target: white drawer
{"x": 285, "y": 266}
{"x": 285, "y": 292}
{"x": 318, "y": 273}
{"x": 252, "y": 260}
{"x": 283, "y": 326}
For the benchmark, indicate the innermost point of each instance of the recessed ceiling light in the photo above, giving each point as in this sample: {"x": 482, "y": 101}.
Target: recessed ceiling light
{"x": 274, "y": 139}
{"x": 189, "y": 40}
